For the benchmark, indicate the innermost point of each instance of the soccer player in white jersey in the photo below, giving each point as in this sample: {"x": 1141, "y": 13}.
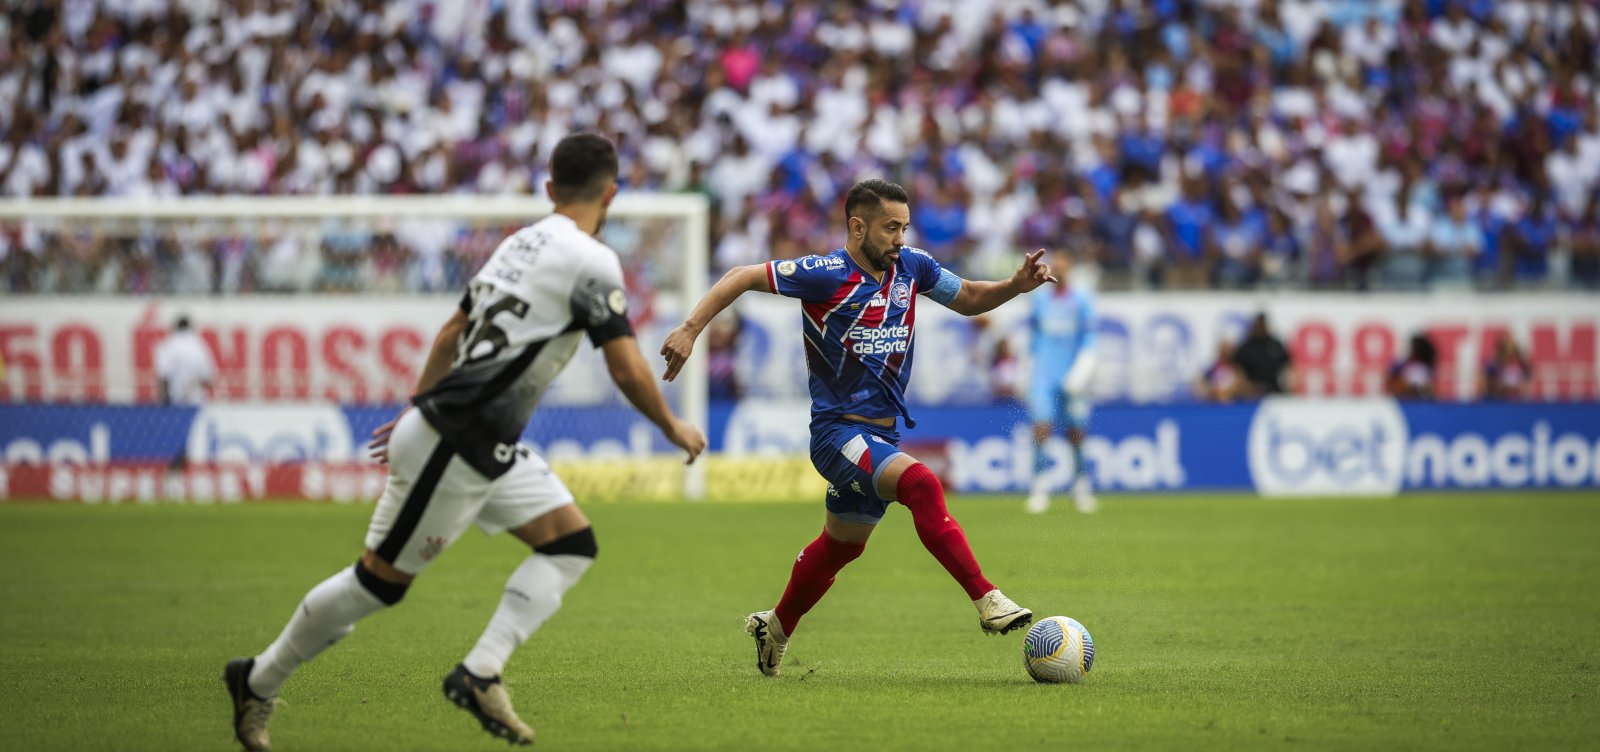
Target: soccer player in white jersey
{"x": 1063, "y": 327}
{"x": 455, "y": 460}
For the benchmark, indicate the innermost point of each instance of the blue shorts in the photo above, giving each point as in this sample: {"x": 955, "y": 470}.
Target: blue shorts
{"x": 1049, "y": 403}
{"x": 851, "y": 456}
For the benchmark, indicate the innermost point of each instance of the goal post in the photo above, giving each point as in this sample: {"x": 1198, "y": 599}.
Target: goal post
{"x": 663, "y": 239}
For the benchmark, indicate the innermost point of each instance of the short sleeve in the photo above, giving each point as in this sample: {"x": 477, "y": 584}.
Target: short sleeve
{"x": 811, "y": 278}
{"x": 933, "y": 280}
{"x": 600, "y": 304}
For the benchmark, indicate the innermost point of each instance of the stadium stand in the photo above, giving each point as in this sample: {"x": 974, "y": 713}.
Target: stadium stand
{"x": 1230, "y": 143}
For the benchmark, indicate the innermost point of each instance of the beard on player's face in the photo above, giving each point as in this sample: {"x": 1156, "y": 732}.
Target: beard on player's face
{"x": 876, "y": 255}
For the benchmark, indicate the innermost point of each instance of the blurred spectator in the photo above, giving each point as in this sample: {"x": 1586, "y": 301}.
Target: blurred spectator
{"x": 1585, "y": 244}
{"x": 1222, "y": 381}
{"x": 1238, "y": 238}
{"x": 1149, "y": 251}
{"x": 722, "y": 340}
{"x": 1454, "y": 245}
{"x": 1262, "y": 360}
{"x": 1005, "y": 371}
{"x": 1506, "y": 374}
{"x": 1404, "y": 225}
{"x": 1412, "y": 378}
{"x": 1190, "y": 241}
{"x": 1530, "y": 240}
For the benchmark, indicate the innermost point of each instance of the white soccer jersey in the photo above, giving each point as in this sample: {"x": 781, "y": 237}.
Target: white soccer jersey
{"x": 184, "y": 362}
{"x": 543, "y": 288}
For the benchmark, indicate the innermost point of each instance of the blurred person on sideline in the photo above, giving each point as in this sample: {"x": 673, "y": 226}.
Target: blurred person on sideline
{"x": 184, "y": 366}
{"x": 186, "y": 371}
{"x": 1412, "y": 378}
{"x": 1262, "y": 360}
{"x": 1062, "y": 324}
{"x": 1222, "y": 382}
{"x": 1005, "y": 372}
{"x": 1506, "y": 374}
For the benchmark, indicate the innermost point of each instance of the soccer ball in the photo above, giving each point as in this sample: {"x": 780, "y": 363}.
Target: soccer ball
{"x": 1058, "y": 649}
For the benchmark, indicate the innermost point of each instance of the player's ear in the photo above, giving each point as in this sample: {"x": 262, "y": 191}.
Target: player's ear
{"x": 550, "y": 190}
{"x": 610, "y": 193}
{"x": 857, "y": 227}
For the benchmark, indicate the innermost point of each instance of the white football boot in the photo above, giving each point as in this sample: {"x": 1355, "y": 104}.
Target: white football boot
{"x": 487, "y": 701}
{"x": 1083, "y": 497}
{"x": 997, "y": 614}
{"x": 771, "y": 642}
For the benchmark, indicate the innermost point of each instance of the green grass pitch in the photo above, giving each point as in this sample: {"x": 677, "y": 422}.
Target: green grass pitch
{"x": 1443, "y": 622}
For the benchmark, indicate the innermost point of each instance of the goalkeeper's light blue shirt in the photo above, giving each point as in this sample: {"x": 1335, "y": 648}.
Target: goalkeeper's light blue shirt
{"x": 1062, "y": 322}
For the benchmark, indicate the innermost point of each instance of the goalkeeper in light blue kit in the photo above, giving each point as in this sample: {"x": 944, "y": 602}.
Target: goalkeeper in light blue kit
{"x": 1062, "y": 325}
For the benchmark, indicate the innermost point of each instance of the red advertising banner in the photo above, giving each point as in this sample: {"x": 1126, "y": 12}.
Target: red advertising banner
{"x": 129, "y": 482}
{"x": 367, "y": 350}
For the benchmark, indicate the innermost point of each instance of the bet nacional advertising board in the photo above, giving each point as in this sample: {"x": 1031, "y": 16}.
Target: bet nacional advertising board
{"x": 1279, "y": 447}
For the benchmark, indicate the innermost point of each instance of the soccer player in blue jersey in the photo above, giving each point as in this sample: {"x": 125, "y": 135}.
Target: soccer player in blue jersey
{"x": 858, "y": 308}
{"x": 1062, "y": 324}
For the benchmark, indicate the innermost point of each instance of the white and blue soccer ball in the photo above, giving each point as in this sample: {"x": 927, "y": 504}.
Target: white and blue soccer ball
{"x": 1058, "y": 649}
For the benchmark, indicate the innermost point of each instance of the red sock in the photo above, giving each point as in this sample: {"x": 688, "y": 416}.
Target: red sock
{"x": 812, "y": 575}
{"x": 922, "y": 493}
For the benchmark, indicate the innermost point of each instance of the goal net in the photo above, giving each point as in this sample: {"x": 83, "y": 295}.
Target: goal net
{"x": 318, "y": 314}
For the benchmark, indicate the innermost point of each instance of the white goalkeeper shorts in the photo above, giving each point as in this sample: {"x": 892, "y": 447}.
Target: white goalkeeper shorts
{"x": 433, "y": 494}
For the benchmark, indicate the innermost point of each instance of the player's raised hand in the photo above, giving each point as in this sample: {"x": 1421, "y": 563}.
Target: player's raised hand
{"x": 1033, "y": 272}
{"x": 688, "y": 438}
{"x": 680, "y": 342}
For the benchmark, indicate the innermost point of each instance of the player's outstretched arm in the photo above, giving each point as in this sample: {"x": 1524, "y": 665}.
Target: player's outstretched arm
{"x": 632, "y": 375}
{"x": 982, "y": 297}
{"x": 738, "y": 281}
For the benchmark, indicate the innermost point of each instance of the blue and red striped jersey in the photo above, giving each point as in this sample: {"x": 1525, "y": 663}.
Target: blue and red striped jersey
{"x": 858, "y": 331}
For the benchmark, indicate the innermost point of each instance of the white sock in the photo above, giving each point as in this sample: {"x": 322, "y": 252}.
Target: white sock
{"x": 328, "y": 613}
{"x": 1041, "y": 486}
{"x": 533, "y": 594}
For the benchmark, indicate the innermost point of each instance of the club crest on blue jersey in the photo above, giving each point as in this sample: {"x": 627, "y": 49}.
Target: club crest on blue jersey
{"x": 900, "y": 295}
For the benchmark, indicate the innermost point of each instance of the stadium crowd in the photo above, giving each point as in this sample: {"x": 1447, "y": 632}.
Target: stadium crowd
{"x": 1233, "y": 143}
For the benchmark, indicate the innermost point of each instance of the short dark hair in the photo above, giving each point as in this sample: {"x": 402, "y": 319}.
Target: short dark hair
{"x": 872, "y": 193}
{"x": 181, "y": 323}
{"x": 581, "y": 166}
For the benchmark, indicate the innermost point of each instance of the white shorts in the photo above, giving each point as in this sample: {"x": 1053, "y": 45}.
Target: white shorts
{"x": 433, "y": 494}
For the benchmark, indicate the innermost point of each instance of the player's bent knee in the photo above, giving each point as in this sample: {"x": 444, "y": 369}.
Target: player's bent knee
{"x": 579, "y": 543}
{"x": 918, "y": 483}
{"x": 388, "y": 592}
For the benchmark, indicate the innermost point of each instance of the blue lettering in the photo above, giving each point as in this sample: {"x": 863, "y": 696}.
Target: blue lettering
{"x": 1278, "y": 440}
